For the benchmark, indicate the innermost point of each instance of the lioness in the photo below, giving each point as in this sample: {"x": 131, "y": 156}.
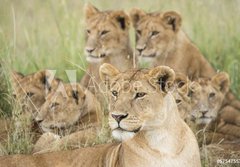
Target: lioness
{"x": 32, "y": 89}
{"x": 207, "y": 99}
{"x": 68, "y": 109}
{"x": 107, "y": 41}
{"x": 140, "y": 107}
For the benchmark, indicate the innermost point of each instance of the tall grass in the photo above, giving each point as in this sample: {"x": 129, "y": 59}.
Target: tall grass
{"x": 49, "y": 34}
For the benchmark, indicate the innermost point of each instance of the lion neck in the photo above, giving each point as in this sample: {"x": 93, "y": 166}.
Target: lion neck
{"x": 165, "y": 137}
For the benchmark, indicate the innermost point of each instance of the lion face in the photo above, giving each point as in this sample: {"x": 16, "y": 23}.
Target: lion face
{"x": 207, "y": 97}
{"x": 32, "y": 89}
{"x": 106, "y": 33}
{"x": 155, "y": 33}
{"x": 136, "y": 96}
{"x": 62, "y": 108}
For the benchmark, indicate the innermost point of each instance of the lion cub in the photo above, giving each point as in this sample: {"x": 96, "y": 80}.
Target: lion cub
{"x": 140, "y": 106}
{"x": 71, "y": 116}
{"x": 69, "y": 109}
{"x": 107, "y": 41}
{"x": 31, "y": 90}
{"x": 160, "y": 41}
{"x": 208, "y": 112}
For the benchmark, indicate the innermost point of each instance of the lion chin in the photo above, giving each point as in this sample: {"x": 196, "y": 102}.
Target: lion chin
{"x": 204, "y": 121}
{"x": 122, "y": 135}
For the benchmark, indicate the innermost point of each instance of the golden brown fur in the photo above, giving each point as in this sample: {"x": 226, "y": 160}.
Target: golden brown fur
{"x": 207, "y": 99}
{"x": 107, "y": 41}
{"x": 31, "y": 90}
{"x": 142, "y": 108}
{"x": 69, "y": 109}
{"x": 180, "y": 93}
{"x": 160, "y": 40}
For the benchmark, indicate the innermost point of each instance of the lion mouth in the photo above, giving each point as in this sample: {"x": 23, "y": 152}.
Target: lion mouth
{"x": 134, "y": 131}
{"x": 149, "y": 56}
{"x": 101, "y": 56}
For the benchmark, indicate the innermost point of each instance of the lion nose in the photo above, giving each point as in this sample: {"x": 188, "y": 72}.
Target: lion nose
{"x": 118, "y": 118}
{"x": 204, "y": 112}
{"x": 90, "y": 50}
{"x": 140, "y": 48}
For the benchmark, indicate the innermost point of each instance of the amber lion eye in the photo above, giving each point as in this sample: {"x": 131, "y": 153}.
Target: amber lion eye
{"x": 178, "y": 101}
{"x": 104, "y": 32}
{"x": 154, "y": 33}
{"x": 139, "y": 32}
{"x": 115, "y": 93}
{"x": 211, "y": 95}
{"x": 88, "y": 31}
{"x": 54, "y": 105}
{"x": 30, "y": 94}
{"x": 140, "y": 94}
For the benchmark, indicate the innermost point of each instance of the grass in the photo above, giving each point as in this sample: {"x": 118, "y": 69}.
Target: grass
{"x": 49, "y": 34}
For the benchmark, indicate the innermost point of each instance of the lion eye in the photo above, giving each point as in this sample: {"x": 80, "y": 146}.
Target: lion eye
{"x": 54, "y": 105}
{"x": 211, "y": 95}
{"x": 88, "y": 31}
{"x": 154, "y": 33}
{"x": 190, "y": 93}
{"x": 178, "y": 101}
{"x": 139, "y": 32}
{"x": 115, "y": 93}
{"x": 140, "y": 94}
{"x": 104, "y": 32}
{"x": 30, "y": 94}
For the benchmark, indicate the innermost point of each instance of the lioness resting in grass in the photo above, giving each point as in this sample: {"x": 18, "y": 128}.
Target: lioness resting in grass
{"x": 107, "y": 41}
{"x": 140, "y": 108}
{"x": 72, "y": 114}
{"x": 207, "y": 104}
{"x": 69, "y": 109}
{"x": 31, "y": 90}
{"x": 161, "y": 41}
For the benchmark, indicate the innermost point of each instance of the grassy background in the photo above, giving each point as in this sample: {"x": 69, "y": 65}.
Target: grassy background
{"x": 40, "y": 34}
{"x": 36, "y": 34}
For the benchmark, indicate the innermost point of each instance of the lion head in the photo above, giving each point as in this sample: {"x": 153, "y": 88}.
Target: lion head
{"x": 155, "y": 32}
{"x": 32, "y": 89}
{"x": 106, "y": 33}
{"x": 207, "y": 97}
{"x": 136, "y": 98}
{"x": 67, "y": 107}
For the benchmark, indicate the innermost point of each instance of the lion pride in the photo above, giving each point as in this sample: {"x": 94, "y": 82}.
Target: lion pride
{"x": 142, "y": 109}
{"x": 161, "y": 41}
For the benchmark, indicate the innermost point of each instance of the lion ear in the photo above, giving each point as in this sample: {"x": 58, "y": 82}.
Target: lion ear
{"x": 90, "y": 10}
{"x": 162, "y": 76}
{"x": 136, "y": 15}
{"x": 221, "y": 81}
{"x": 16, "y": 77}
{"x": 107, "y": 71}
{"x": 44, "y": 78}
{"x": 122, "y": 19}
{"x": 172, "y": 20}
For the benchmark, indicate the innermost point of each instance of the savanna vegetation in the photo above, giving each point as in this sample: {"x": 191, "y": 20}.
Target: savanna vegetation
{"x": 49, "y": 34}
